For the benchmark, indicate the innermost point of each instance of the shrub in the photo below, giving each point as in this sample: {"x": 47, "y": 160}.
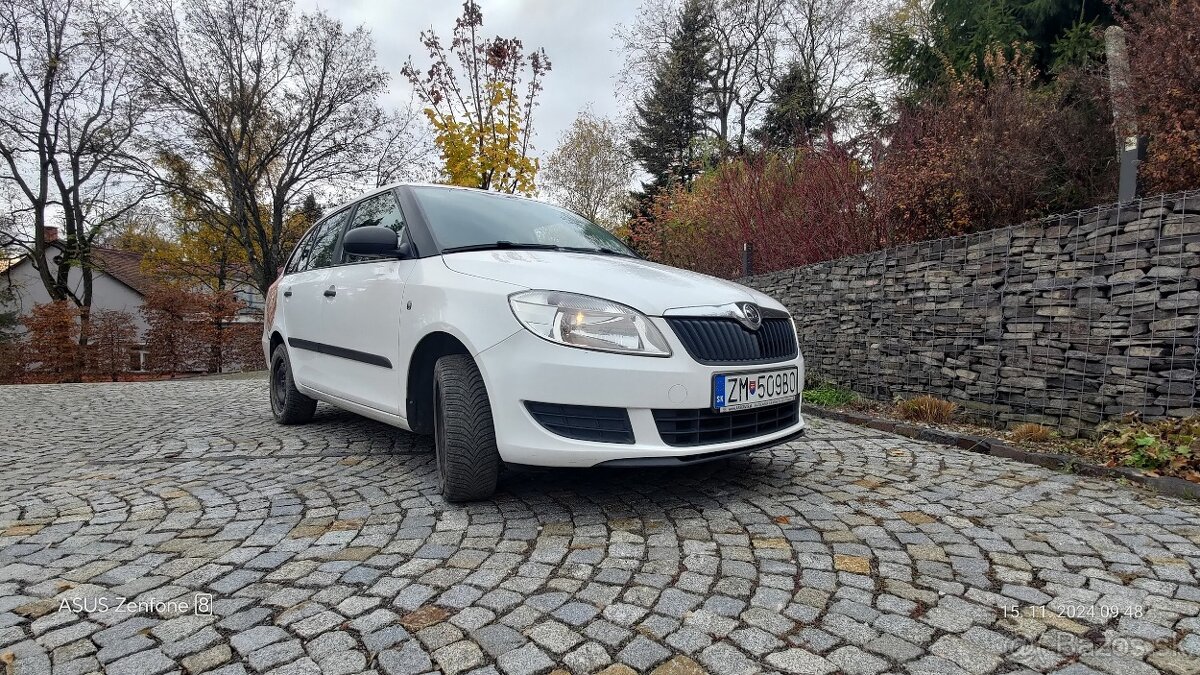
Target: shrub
{"x": 189, "y": 330}
{"x": 172, "y": 341}
{"x": 245, "y": 346}
{"x": 53, "y": 341}
{"x": 113, "y": 333}
{"x": 794, "y": 207}
{"x": 12, "y": 361}
{"x": 829, "y": 395}
{"x": 1170, "y": 446}
{"x": 1165, "y": 88}
{"x": 985, "y": 154}
{"x": 1031, "y": 433}
{"x": 926, "y": 408}
{"x": 214, "y": 317}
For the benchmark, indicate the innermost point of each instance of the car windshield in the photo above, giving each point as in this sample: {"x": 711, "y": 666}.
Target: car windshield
{"x": 473, "y": 220}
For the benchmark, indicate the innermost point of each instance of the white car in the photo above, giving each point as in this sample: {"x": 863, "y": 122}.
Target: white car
{"x": 518, "y": 332}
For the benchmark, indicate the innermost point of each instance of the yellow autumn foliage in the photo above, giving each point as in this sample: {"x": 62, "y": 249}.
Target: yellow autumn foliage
{"x": 487, "y": 156}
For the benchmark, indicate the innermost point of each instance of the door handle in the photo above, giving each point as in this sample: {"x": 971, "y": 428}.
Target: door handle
{"x": 330, "y": 292}
{"x": 287, "y": 293}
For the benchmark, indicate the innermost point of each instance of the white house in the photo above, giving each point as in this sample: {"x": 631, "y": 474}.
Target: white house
{"x": 117, "y": 280}
{"x": 117, "y": 283}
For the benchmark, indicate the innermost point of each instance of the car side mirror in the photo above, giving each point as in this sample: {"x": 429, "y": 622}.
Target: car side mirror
{"x": 375, "y": 240}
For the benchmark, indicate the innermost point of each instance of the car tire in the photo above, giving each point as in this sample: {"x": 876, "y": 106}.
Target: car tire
{"x": 464, "y": 437}
{"x": 288, "y": 405}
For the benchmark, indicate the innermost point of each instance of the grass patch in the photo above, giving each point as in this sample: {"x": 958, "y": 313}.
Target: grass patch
{"x": 1032, "y": 433}
{"x": 829, "y": 395}
{"x": 927, "y": 409}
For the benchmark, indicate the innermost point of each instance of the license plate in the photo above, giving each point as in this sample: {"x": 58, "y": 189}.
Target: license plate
{"x": 740, "y": 391}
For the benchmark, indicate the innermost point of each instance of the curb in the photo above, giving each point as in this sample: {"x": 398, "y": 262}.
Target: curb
{"x": 1167, "y": 485}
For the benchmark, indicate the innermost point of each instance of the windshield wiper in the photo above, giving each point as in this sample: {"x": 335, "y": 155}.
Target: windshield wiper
{"x": 502, "y": 244}
{"x": 589, "y": 249}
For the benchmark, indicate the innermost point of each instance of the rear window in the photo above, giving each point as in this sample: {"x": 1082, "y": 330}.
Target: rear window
{"x": 325, "y": 242}
{"x": 300, "y": 256}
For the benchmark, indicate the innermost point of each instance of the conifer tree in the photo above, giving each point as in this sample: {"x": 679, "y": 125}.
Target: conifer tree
{"x": 670, "y": 117}
{"x": 793, "y": 113}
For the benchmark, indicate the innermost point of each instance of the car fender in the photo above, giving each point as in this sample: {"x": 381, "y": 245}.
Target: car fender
{"x": 269, "y": 318}
{"x": 472, "y": 309}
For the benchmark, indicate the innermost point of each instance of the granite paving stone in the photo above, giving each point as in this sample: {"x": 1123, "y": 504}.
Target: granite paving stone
{"x": 325, "y": 548}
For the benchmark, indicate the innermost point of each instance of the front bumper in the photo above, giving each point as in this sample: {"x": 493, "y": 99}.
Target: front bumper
{"x": 524, "y": 368}
{"x": 688, "y": 460}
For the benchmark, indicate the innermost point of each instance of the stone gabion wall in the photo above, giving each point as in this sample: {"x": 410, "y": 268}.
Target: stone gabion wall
{"x": 1065, "y": 321}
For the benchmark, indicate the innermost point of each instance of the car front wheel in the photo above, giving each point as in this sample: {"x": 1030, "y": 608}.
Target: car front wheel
{"x": 464, "y": 437}
{"x": 287, "y": 403}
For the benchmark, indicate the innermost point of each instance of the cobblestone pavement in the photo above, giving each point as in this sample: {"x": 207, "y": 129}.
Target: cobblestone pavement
{"x": 326, "y": 548}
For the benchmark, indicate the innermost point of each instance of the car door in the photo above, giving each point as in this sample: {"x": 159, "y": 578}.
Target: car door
{"x": 305, "y": 296}
{"x": 364, "y": 316}
{"x": 289, "y": 306}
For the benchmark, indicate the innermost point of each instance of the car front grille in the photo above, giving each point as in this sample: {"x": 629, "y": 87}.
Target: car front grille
{"x": 705, "y": 426}
{"x": 721, "y": 341}
{"x": 583, "y": 422}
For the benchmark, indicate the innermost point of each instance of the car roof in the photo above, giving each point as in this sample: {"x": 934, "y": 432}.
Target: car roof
{"x": 392, "y": 186}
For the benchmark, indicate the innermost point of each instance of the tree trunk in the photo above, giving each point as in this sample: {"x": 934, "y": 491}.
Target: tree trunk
{"x": 85, "y": 328}
{"x": 85, "y": 319}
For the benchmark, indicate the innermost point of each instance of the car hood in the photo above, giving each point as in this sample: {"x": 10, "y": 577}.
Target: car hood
{"x": 648, "y": 287}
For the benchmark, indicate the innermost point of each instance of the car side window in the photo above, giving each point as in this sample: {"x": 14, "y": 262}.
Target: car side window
{"x": 299, "y": 257}
{"x": 325, "y": 242}
{"x": 380, "y": 210}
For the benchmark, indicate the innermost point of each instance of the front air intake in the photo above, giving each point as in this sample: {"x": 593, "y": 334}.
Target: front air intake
{"x": 583, "y": 422}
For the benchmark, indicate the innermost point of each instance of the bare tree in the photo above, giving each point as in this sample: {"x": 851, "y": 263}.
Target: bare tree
{"x": 743, "y": 36}
{"x": 277, "y": 105}
{"x": 403, "y": 148}
{"x": 759, "y": 49}
{"x": 826, "y": 44}
{"x": 645, "y": 40}
{"x": 69, "y": 105}
{"x": 591, "y": 171}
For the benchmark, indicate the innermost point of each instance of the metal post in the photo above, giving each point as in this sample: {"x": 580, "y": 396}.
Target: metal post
{"x": 1131, "y": 148}
{"x": 1131, "y": 156}
{"x": 746, "y": 259}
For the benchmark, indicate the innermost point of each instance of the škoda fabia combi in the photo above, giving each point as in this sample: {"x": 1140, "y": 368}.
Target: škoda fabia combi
{"x": 518, "y": 332}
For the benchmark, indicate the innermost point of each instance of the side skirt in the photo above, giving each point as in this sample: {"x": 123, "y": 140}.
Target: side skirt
{"x": 356, "y": 408}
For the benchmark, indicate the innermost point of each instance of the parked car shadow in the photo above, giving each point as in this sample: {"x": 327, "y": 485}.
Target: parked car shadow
{"x": 686, "y": 481}
{"x": 355, "y": 433}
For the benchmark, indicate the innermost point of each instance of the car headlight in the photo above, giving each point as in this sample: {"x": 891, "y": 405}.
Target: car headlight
{"x": 588, "y": 323}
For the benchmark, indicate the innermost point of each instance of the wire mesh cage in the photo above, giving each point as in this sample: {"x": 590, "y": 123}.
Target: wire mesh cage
{"x": 1066, "y": 321}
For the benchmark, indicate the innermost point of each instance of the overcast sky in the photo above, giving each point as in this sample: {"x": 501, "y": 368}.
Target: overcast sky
{"x": 576, "y": 34}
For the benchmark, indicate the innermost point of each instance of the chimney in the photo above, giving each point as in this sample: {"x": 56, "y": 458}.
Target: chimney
{"x": 51, "y": 234}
